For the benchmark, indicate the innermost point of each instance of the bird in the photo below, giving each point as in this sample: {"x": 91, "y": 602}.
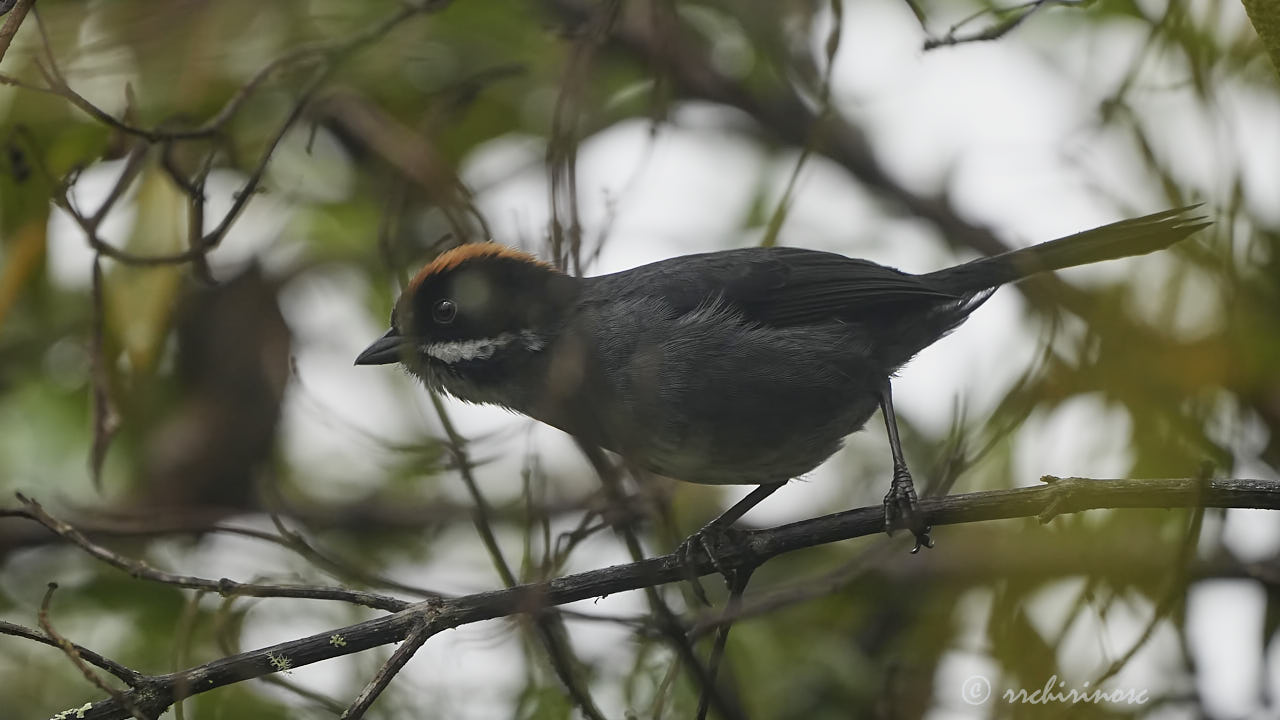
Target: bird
{"x": 747, "y": 366}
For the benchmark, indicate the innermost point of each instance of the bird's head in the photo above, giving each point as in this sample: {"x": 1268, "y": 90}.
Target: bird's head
{"x": 473, "y": 316}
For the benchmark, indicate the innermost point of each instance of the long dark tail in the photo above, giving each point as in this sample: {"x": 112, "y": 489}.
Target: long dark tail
{"x": 1136, "y": 236}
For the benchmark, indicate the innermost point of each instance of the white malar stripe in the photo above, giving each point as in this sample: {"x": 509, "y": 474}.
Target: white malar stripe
{"x": 454, "y": 351}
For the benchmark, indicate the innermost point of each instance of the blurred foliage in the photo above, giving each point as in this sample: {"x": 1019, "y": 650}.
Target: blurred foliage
{"x": 196, "y": 361}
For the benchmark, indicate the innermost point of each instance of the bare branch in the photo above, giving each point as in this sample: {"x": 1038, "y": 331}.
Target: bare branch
{"x": 550, "y": 628}
{"x": 1015, "y": 17}
{"x": 1173, "y": 596}
{"x": 666, "y": 620}
{"x": 327, "y": 56}
{"x": 737, "y": 586}
{"x": 403, "y": 654}
{"x": 69, "y": 649}
{"x": 326, "y": 52}
{"x": 562, "y": 147}
{"x": 788, "y": 117}
{"x": 246, "y": 191}
{"x": 1065, "y": 495}
{"x": 13, "y": 22}
{"x": 132, "y": 166}
{"x": 132, "y": 678}
{"x": 106, "y": 419}
{"x": 815, "y": 138}
{"x": 224, "y": 587}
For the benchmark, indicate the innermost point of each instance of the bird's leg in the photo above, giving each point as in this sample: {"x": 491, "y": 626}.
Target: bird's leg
{"x": 715, "y": 534}
{"x": 901, "y": 508}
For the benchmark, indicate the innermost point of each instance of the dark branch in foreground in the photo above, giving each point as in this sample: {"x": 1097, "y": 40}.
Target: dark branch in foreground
{"x": 154, "y": 694}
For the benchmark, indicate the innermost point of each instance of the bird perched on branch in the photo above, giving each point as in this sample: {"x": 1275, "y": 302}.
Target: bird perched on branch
{"x": 735, "y": 367}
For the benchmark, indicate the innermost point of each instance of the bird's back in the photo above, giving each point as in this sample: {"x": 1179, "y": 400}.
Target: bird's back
{"x": 898, "y": 312}
{"x": 742, "y": 366}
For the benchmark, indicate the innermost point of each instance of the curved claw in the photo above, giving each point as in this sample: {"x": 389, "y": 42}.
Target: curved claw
{"x": 923, "y": 539}
{"x": 684, "y": 554}
{"x": 902, "y": 509}
{"x": 711, "y": 539}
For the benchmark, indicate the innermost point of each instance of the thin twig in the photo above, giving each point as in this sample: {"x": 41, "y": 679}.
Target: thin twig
{"x": 1018, "y": 14}
{"x": 667, "y": 621}
{"x": 295, "y": 541}
{"x": 19, "y": 10}
{"x": 182, "y": 641}
{"x": 132, "y": 166}
{"x": 562, "y": 148}
{"x": 130, "y": 677}
{"x": 250, "y": 186}
{"x": 783, "y": 207}
{"x": 106, "y": 419}
{"x": 812, "y": 589}
{"x": 481, "y": 512}
{"x": 224, "y": 586}
{"x": 393, "y": 665}
{"x": 1173, "y": 595}
{"x": 662, "y": 38}
{"x": 737, "y": 586}
{"x": 327, "y": 51}
{"x": 69, "y": 649}
{"x": 328, "y": 55}
{"x": 550, "y": 628}
{"x": 1064, "y": 495}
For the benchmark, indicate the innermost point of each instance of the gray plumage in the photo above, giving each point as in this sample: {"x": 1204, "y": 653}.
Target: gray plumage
{"x": 743, "y": 366}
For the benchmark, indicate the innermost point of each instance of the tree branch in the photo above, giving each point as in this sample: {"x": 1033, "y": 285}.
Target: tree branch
{"x": 1055, "y": 497}
{"x": 69, "y": 649}
{"x": 550, "y": 628}
{"x": 13, "y": 22}
{"x": 224, "y": 587}
{"x": 403, "y": 654}
{"x": 785, "y": 114}
{"x": 1002, "y": 26}
{"x": 128, "y": 675}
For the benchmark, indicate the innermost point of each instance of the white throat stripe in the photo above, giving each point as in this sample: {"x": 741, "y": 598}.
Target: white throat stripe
{"x": 454, "y": 351}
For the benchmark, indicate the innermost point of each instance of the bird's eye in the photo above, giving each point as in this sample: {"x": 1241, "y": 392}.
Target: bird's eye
{"x": 444, "y": 312}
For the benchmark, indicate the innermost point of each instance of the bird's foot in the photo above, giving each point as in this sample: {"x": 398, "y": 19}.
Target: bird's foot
{"x": 717, "y": 542}
{"x": 902, "y": 509}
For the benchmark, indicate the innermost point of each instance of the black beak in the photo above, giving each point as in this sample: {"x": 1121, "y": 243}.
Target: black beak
{"x": 384, "y": 351}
